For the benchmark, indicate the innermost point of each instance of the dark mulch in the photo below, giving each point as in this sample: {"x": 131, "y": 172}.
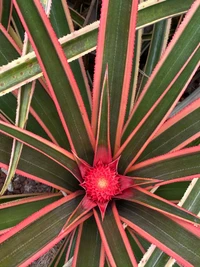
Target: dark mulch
{"x": 22, "y": 185}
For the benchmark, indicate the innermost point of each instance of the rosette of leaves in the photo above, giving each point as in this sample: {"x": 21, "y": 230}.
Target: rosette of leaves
{"x": 117, "y": 161}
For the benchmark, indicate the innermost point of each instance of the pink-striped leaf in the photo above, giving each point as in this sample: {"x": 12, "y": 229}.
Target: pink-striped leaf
{"x": 36, "y": 231}
{"x": 170, "y": 78}
{"x": 62, "y": 85}
{"x": 43, "y": 119}
{"x": 23, "y": 106}
{"x": 82, "y": 209}
{"x": 163, "y": 232}
{"x": 60, "y": 155}
{"x": 115, "y": 241}
{"x": 176, "y": 133}
{"x": 103, "y": 149}
{"x": 6, "y": 12}
{"x": 62, "y": 24}
{"x": 160, "y": 35}
{"x": 150, "y": 200}
{"x": 115, "y": 44}
{"x": 15, "y": 211}
{"x": 49, "y": 172}
{"x": 191, "y": 202}
{"x": 175, "y": 165}
{"x": 88, "y": 245}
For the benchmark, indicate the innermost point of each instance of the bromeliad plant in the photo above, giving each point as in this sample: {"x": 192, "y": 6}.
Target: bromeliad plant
{"x": 117, "y": 160}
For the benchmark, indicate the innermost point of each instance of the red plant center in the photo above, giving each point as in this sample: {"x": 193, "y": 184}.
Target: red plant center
{"x": 101, "y": 183}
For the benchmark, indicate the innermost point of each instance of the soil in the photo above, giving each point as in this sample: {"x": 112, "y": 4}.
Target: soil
{"x": 22, "y": 185}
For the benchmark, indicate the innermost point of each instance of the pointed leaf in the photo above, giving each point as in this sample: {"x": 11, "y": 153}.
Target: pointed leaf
{"x": 115, "y": 45}
{"x": 88, "y": 245}
{"x": 87, "y": 40}
{"x": 161, "y": 231}
{"x": 24, "y": 101}
{"x": 5, "y": 13}
{"x": 154, "y": 11}
{"x": 152, "y": 201}
{"x": 135, "y": 72}
{"x": 191, "y": 201}
{"x": 13, "y": 212}
{"x": 30, "y": 237}
{"x": 49, "y": 172}
{"x": 44, "y": 111}
{"x": 82, "y": 209}
{"x": 103, "y": 149}
{"x": 158, "y": 41}
{"x": 178, "y": 164}
{"x": 26, "y": 68}
{"x": 61, "y": 156}
{"x": 176, "y": 133}
{"x": 63, "y": 87}
{"x": 62, "y": 24}
{"x": 114, "y": 239}
{"x": 154, "y": 106}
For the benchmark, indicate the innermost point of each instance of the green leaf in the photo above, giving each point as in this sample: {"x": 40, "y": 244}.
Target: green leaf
{"x": 72, "y": 245}
{"x": 76, "y": 17}
{"x": 8, "y": 51}
{"x": 88, "y": 245}
{"x": 24, "y": 98}
{"x": 5, "y": 14}
{"x": 142, "y": 240}
{"x": 176, "y": 131}
{"x": 135, "y": 72}
{"x": 41, "y": 102}
{"x": 151, "y": 201}
{"x": 174, "y": 165}
{"x": 26, "y": 68}
{"x": 191, "y": 203}
{"x": 158, "y": 258}
{"x": 62, "y": 85}
{"x": 8, "y": 104}
{"x": 62, "y": 25}
{"x": 173, "y": 191}
{"x": 62, "y": 157}
{"x": 137, "y": 251}
{"x": 82, "y": 42}
{"x": 36, "y": 233}
{"x": 49, "y": 172}
{"x": 13, "y": 214}
{"x": 158, "y": 40}
{"x": 163, "y": 232}
{"x": 186, "y": 102}
{"x": 18, "y": 25}
{"x": 115, "y": 45}
{"x": 174, "y": 58}
{"x": 114, "y": 239}
{"x": 162, "y": 10}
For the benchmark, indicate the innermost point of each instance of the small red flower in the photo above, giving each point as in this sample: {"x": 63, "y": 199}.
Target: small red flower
{"x": 101, "y": 183}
